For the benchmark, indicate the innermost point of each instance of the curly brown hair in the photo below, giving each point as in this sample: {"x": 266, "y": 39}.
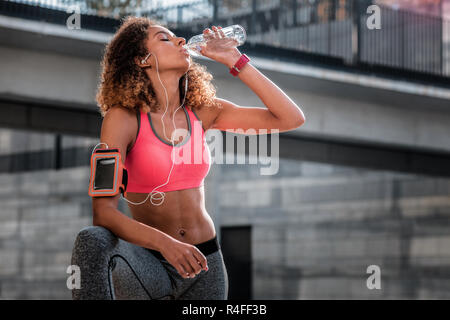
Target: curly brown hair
{"x": 125, "y": 84}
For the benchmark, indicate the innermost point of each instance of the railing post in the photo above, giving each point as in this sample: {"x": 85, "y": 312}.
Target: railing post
{"x": 57, "y": 152}
{"x": 282, "y": 37}
{"x": 180, "y": 15}
{"x": 294, "y": 13}
{"x": 441, "y": 44}
{"x": 356, "y": 33}
{"x": 252, "y": 25}
{"x": 215, "y": 11}
{"x": 333, "y": 9}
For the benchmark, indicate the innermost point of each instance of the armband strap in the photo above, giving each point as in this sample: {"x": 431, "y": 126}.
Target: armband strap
{"x": 109, "y": 176}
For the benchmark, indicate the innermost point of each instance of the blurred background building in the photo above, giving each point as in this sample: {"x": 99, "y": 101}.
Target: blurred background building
{"x": 365, "y": 181}
{"x": 438, "y": 8}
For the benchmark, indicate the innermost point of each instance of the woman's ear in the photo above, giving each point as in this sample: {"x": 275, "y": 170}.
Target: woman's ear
{"x": 138, "y": 61}
{"x": 143, "y": 61}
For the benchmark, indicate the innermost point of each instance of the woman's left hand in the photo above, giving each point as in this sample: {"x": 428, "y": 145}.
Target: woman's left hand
{"x": 218, "y": 49}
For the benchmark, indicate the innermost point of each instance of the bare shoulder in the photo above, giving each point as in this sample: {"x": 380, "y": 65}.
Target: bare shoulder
{"x": 119, "y": 126}
{"x": 120, "y": 114}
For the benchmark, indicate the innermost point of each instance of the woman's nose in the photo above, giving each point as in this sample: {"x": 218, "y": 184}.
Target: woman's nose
{"x": 182, "y": 41}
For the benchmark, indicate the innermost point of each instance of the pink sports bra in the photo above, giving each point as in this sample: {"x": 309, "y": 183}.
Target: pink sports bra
{"x": 149, "y": 161}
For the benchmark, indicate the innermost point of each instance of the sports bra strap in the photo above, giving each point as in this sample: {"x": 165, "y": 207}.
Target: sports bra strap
{"x": 138, "y": 116}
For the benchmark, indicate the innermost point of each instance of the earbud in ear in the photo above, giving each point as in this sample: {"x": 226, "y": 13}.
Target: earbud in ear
{"x": 145, "y": 59}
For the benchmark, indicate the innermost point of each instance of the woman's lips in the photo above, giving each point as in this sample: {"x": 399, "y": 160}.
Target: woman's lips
{"x": 184, "y": 51}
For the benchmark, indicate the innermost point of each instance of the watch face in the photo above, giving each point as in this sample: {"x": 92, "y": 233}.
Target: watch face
{"x": 241, "y": 62}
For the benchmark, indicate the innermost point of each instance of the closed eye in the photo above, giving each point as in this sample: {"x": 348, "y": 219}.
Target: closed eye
{"x": 164, "y": 39}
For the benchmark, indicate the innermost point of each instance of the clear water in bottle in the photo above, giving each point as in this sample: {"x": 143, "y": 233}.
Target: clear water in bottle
{"x": 235, "y": 37}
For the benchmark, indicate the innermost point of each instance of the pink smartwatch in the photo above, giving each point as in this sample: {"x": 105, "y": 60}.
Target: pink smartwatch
{"x": 239, "y": 65}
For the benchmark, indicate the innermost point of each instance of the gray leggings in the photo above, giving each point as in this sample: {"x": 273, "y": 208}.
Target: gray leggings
{"x": 112, "y": 268}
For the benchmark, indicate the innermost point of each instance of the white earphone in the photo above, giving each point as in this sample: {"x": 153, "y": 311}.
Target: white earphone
{"x": 162, "y": 193}
{"x": 145, "y": 59}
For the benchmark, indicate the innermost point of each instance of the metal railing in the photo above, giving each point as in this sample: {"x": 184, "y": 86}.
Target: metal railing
{"x": 407, "y": 40}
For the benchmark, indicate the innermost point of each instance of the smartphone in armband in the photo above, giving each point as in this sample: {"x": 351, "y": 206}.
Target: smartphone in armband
{"x": 109, "y": 176}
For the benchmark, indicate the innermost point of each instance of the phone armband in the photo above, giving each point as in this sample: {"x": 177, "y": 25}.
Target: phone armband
{"x": 108, "y": 176}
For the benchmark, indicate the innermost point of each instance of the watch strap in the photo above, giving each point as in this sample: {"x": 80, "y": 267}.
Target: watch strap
{"x": 239, "y": 65}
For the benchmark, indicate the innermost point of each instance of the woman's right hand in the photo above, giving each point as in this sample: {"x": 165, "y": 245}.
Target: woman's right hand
{"x": 186, "y": 258}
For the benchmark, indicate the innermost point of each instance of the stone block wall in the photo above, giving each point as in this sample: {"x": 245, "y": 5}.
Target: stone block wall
{"x": 317, "y": 227}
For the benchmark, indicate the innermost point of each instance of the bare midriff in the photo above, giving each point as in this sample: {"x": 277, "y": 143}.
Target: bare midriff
{"x": 182, "y": 215}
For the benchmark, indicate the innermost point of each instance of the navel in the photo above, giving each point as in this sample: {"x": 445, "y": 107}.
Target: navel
{"x": 182, "y": 232}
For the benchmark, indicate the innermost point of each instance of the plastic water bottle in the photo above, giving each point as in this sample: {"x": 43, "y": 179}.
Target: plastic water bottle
{"x": 236, "y": 33}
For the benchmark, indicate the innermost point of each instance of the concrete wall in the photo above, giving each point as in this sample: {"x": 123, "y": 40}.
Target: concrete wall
{"x": 40, "y": 215}
{"x": 316, "y": 229}
{"x": 51, "y": 76}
